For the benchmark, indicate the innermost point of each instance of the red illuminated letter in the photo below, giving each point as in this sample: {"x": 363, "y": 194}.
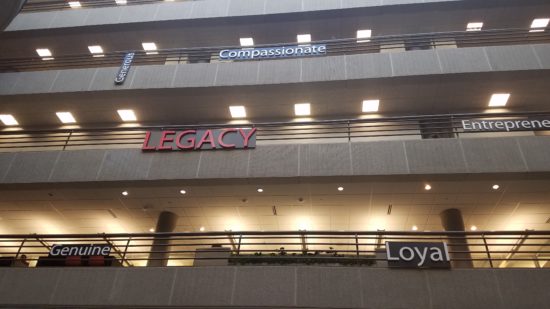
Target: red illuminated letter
{"x": 222, "y": 134}
{"x": 165, "y": 139}
{"x": 146, "y": 142}
{"x": 247, "y": 136}
{"x": 190, "y": 140}
{"x": 207, "y": 138}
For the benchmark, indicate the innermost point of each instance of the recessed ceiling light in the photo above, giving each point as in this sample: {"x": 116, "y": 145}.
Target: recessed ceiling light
{"x": 202, "y": 229}
{"x": 121, "y": 2}
{"x": 473, "y": 228}
{"x": 8, "y": 120}
{"x": 340, "y": 188}
{"x": 363, "y": 35}
{"x": 415, "y": 228}
{"x": 95, "y": 49}
{"x": 304, "y": 38}
{"x": 302, "y": 109}
{"x": 125, "y": 193}
{"x": 474, "y": 26}
{"x": 499, "y": 99}
{"x": 496, "y": 187}
{"x": 260, "y": 190}
{"x": 238, "y": 111}
{"x": 75, "y": 4}
{"x": 65, "y": 117}
{"x": 183, "y": 192}
{"x": 43, "y": 52}
{"x": 246, "y": 41}
{"x": 370, "y": 106}
{"x": 427, "y": 187}
{"x": 539, "y": 24}
{"x": 127, "y": 115}
{"x": 149, "y": 48}
{"x": 151, "y": 230}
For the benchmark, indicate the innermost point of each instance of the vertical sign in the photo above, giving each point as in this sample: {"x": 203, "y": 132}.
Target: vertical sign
{"x": 124, "y": 68}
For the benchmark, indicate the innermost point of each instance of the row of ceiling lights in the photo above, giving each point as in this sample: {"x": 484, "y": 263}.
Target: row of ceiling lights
{"x": 239, "y": 111}
{"x": 538, "y": 25}
{"x": 427, "y": 187}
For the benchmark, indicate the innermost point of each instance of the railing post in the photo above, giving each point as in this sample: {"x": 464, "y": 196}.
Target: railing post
{"x": 349, "y": 131}
{"x": 67, "y": 140}
{"x": 239, "y": 245}
{"x": 20, "y": 248}
{"x": 126, "y": 251}
{"x": 356, "y": 244}
{"x": 487, "y": 250}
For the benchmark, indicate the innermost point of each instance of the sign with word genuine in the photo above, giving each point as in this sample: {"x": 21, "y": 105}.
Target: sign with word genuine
{"x": 230, "y": 138}
{"x": 418, "y": 254}
{"x": 124, "y": 68}
{"x": 507, "y": 125}
{"x": 80, "y": 250}
{"x": 273, "y": 52}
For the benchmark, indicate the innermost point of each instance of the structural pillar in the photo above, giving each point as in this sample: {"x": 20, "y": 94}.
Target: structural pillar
{"x": 452, "y": 222}
{"x": 160, "y": 250}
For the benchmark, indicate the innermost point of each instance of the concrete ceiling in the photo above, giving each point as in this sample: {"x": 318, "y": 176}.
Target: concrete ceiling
{"x": 236, "y": 205}
{"x": 424, "y": 18}
{"x": 420, "y": 95}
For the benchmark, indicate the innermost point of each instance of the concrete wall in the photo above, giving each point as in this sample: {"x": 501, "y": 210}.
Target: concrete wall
{"x": 188, "y": 10}
{"x": 412, "y": 157}
{"x": 282, "y": 286}
{"x": 318, "y": 69}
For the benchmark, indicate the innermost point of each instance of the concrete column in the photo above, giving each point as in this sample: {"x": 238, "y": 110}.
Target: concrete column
{"x": 452, "y": 221}
{"x": 159, "y": 255}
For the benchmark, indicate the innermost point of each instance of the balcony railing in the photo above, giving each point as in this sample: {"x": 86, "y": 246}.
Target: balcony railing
{"x": 372, "y": 129}
{"x": 358, "y": 248}
{"x": 409, "y": 42}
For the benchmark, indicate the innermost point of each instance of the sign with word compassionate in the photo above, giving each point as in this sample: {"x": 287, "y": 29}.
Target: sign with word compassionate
{"x": 231, "y": 138}
{"x": 80, "y": 250}
{"x": 418, "y": 254}
{"x": 273, "y": 52}
{"x": 124, "y": 68}
{"x": 507, "y": 125}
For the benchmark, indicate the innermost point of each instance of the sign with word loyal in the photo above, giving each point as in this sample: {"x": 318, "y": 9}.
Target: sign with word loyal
{"x": 418, "y": 254}
{"x": 80, "y": 250}
{"x": 230, "y": 138}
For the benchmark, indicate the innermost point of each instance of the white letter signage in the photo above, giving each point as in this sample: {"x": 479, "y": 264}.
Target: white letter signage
{"x": 418, "y": 254}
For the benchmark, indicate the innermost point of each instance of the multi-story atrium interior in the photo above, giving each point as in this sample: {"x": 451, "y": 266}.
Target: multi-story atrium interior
{"x": 275, "y": 153}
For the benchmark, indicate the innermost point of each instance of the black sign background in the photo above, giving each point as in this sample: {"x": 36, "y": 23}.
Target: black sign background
{"x": 124, "y": 68}
{"x": 393, "y": 248}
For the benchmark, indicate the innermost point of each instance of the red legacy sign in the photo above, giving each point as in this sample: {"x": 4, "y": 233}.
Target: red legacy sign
{"x": 168, "y": 140}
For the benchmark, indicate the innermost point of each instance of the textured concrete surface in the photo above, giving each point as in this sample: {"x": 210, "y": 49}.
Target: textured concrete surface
{"x": 408, "y": 157}
{"x": 189, "y": 10}
{"x": 285, "y": 71}
{"x": 276, "y": 286}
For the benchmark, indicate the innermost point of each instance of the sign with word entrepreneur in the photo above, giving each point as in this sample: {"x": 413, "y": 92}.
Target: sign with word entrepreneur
{"x": 418, "y": 254}
{"x": 505, "y": 125}
{"x": 273, "y": 52}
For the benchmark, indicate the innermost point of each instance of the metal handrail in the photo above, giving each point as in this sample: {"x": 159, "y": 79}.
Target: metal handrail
{"x": 511, "y": 248}
{"x": 420, "y": 126}
{"x": 349, "y": 46}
